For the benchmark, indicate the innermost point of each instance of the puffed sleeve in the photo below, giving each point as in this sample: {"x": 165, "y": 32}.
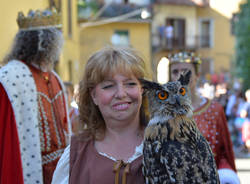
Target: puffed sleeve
{"x": 228, "y": 176}
{"x": 61, "y": 174}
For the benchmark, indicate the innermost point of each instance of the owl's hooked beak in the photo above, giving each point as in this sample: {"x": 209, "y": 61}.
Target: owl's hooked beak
{"x": 177, "y": 99}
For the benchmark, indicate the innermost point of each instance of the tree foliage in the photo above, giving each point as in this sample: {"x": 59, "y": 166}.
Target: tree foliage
{"x": 87, "y": 9}
{"x": 242, "y": 33}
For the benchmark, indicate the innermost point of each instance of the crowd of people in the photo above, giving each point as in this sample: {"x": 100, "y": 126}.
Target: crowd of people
{"x": 238, "y": 114}
{"x": 105, "y": 146}
{"x": 235, "y": 103}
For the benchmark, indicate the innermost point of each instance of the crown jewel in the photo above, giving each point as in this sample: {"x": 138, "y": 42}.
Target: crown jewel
{"x": 184, "y": 57}
{"x": 39, "y": 19}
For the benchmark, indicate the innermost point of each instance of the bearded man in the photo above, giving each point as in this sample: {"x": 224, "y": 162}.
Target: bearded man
{"x": 34, "y": 123}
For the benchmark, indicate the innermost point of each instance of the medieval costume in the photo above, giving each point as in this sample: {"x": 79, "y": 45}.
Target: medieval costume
{"x": 212, "y": 123}
{"x": 81, "y": 157}
{"x": 34, "y": 123}
{"x": 33, "y": 103}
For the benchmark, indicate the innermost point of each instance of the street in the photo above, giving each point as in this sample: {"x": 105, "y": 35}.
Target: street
{"x": 243, "y": 168}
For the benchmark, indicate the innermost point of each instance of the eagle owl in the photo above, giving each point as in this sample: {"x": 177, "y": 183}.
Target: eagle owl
{"x": 174, "y": 151}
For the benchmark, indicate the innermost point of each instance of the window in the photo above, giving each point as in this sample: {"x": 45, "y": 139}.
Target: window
{"x": 120, "y": 37}
{"x": 205, "y": 33}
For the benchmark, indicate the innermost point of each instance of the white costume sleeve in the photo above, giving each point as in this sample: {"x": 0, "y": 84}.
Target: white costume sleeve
{"x": 228, "y": 176}
{"x": 61, "y": 174}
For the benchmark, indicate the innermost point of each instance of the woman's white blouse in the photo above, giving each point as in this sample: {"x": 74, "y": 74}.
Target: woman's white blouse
{"x": 61, "y": 173}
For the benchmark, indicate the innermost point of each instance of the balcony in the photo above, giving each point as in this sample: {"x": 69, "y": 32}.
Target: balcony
{"x": 190, "y": 43}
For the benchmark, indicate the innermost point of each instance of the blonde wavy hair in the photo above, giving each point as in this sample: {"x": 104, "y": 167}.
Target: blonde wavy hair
{"x": 108, "y": 60}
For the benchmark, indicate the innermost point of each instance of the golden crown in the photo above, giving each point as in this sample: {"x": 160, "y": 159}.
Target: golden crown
{"x": 39, "y": 19}
{"x": 184, "y": 57}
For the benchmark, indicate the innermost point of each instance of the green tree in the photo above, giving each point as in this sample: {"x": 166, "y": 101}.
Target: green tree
{"x": 242, "y": 33}
{"x": 87, "y": 9}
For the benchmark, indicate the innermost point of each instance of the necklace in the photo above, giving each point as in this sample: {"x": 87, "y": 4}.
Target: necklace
{"x": 46, "y": 77}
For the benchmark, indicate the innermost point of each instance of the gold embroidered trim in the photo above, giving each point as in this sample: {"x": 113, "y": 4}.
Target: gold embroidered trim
{"x": 203, "y": 109}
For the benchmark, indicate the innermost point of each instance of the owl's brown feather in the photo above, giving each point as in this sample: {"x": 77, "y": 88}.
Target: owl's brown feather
{"x": 174, "y": 150}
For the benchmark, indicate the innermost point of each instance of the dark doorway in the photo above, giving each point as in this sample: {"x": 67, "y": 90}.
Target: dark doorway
{"x": 178, "y": 32}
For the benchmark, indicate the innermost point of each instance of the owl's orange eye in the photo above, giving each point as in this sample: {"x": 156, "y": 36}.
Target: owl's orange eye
{"x": 163, "y": 95}
{"x": 182, "y": 91}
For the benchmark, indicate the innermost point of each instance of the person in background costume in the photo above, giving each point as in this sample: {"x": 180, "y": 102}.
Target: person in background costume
{"x": 72, "y": 106}
{"x": 169, "y": 33}
{"x": 34, "y": 122}
{"x": 209, "y": 116}
{"x": 109, "y": 148}
{"x": 245, "y": 113}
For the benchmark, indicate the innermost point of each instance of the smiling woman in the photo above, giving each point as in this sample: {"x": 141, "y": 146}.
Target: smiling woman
{"x": 118, "y": 98}
{"x": 100, "y": 72}
{"x": 112, "y": 114}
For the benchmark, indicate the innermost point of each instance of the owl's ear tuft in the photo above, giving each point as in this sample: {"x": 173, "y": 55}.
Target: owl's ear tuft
{"x": 185, "y": 78}
{"x": 147, "y": 85}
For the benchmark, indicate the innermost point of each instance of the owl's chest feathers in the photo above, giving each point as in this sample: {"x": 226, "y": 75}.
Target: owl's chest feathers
{"x": 180, "y": 128}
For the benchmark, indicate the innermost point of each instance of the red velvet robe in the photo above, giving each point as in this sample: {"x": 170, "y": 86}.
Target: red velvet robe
{"x": 212, "y": 123}
{"x": 10, "y": 160}
{"x": 53, "y": 130}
